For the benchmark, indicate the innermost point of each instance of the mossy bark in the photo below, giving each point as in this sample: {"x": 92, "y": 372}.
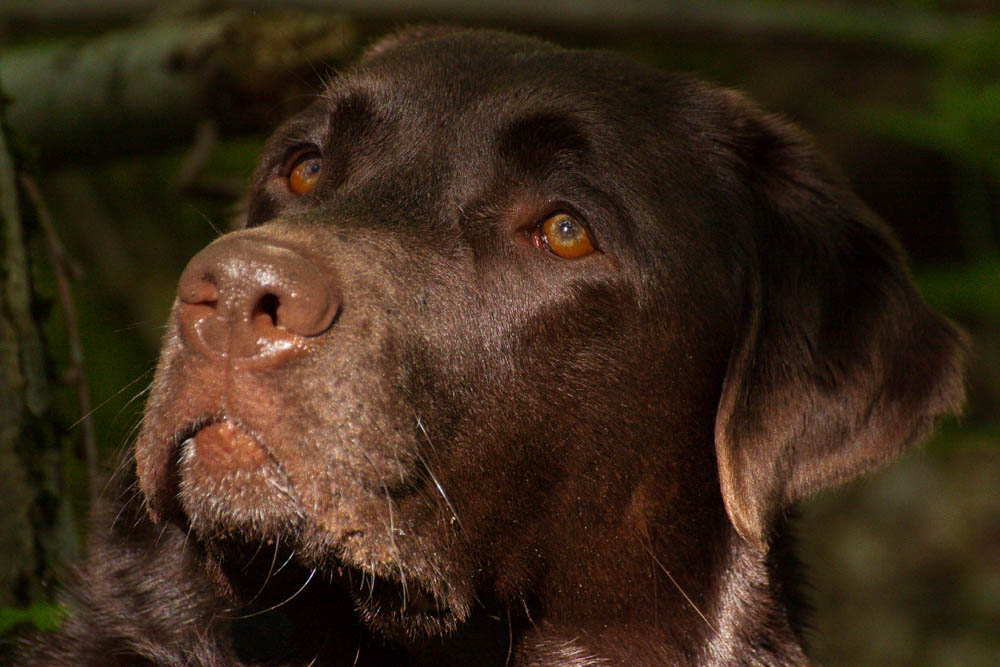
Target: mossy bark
{"x": 37, "y": 531}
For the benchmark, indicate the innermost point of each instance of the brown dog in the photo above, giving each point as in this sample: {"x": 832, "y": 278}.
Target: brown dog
{"x": 521, "y": 358}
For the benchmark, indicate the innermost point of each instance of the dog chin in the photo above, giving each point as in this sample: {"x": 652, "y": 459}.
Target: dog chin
{"x": 259, "y": 569}
{"x": 258, "y": 545}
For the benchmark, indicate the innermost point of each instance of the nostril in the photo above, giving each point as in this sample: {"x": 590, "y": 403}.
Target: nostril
{"x": 268, "y": 305}
{"x": 198, "y": 289}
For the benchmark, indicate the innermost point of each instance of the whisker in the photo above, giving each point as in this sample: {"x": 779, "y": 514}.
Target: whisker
{"x": 527, "y": 612}
{"x": 100, "y": 405}
{"x": 208, "y": 221}
{"x": 253, "y": 556}
{"x": 371, "y": 586}
{"x": 270, "y": 572}
{"x": 678, "y": 586}
{"x": 510, "y": 638}
{"x": 391, "y": 526}
{"x": 163, "y": 530}
{"x": 285, "y": 564}
{"x": 139, "y": 394}
{"x": 190, "y": 529}
{"x": 294, "y": 595}
{"x": 433, "y": 477}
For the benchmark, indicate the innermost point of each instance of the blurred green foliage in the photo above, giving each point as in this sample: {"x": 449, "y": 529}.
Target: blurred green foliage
{"x": 961, "y": 118}
{"x": 42, "y": 615}
{"x": 969, "y": 292}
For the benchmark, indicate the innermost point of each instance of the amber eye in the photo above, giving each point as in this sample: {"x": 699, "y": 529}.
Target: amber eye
{"x": 303, "y": 175}
{"x": 565, "y": 236}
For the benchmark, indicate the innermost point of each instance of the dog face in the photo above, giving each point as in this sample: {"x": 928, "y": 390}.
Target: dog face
{"x": 512, "y": 322}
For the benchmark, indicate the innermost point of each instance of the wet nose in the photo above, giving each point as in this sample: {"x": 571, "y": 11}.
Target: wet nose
{"x": 246, "y": 300}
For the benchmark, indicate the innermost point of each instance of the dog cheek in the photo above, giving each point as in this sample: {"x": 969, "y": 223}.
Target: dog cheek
{"x": 155, "y": 467}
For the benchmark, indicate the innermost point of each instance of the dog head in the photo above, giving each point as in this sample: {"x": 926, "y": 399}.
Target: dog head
{"x": 505, "y": 319}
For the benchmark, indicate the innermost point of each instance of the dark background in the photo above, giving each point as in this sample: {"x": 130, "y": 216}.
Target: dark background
{"x": 904, "y": 94}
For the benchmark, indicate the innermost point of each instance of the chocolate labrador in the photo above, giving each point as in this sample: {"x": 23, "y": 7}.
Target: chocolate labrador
{"x": 521, "y": 357}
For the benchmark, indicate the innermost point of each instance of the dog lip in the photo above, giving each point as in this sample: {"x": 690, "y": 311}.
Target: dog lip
{"x": 190, "y": 428}
{"x": 224, "y": 446}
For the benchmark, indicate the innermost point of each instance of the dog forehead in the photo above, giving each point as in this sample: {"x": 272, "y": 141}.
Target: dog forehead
{"x": 481, "y": 74}
{"x": 463, "y": 60}
{"x": 457, "y": 98}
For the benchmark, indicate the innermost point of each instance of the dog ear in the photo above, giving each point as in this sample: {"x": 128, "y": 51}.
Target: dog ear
{"x": 838, "y": 365}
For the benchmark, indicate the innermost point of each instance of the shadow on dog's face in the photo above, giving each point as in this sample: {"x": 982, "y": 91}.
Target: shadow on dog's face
{"x": 507, "y": 320}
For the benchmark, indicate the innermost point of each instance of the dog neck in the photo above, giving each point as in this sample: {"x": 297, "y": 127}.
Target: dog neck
{"x": 745, "y": 622}
{"x": 674, "y": 600}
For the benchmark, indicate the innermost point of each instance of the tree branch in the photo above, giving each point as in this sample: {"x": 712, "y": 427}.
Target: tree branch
{"x": 146, "y": 89}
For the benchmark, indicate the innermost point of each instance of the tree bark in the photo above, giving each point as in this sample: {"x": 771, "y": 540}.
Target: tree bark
{"x": 37, "y": 531}
{"x": 146, "y": 89}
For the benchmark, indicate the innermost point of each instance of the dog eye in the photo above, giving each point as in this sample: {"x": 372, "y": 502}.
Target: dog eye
{"x": 303, "y": 171}
{"x": 564, "y": 236}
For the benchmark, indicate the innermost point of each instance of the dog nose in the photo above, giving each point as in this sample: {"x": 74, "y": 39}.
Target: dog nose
{"x": 246, "y": 300}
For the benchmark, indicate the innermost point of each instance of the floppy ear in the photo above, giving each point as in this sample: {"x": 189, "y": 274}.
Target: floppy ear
{"x": 838, "y": 365}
